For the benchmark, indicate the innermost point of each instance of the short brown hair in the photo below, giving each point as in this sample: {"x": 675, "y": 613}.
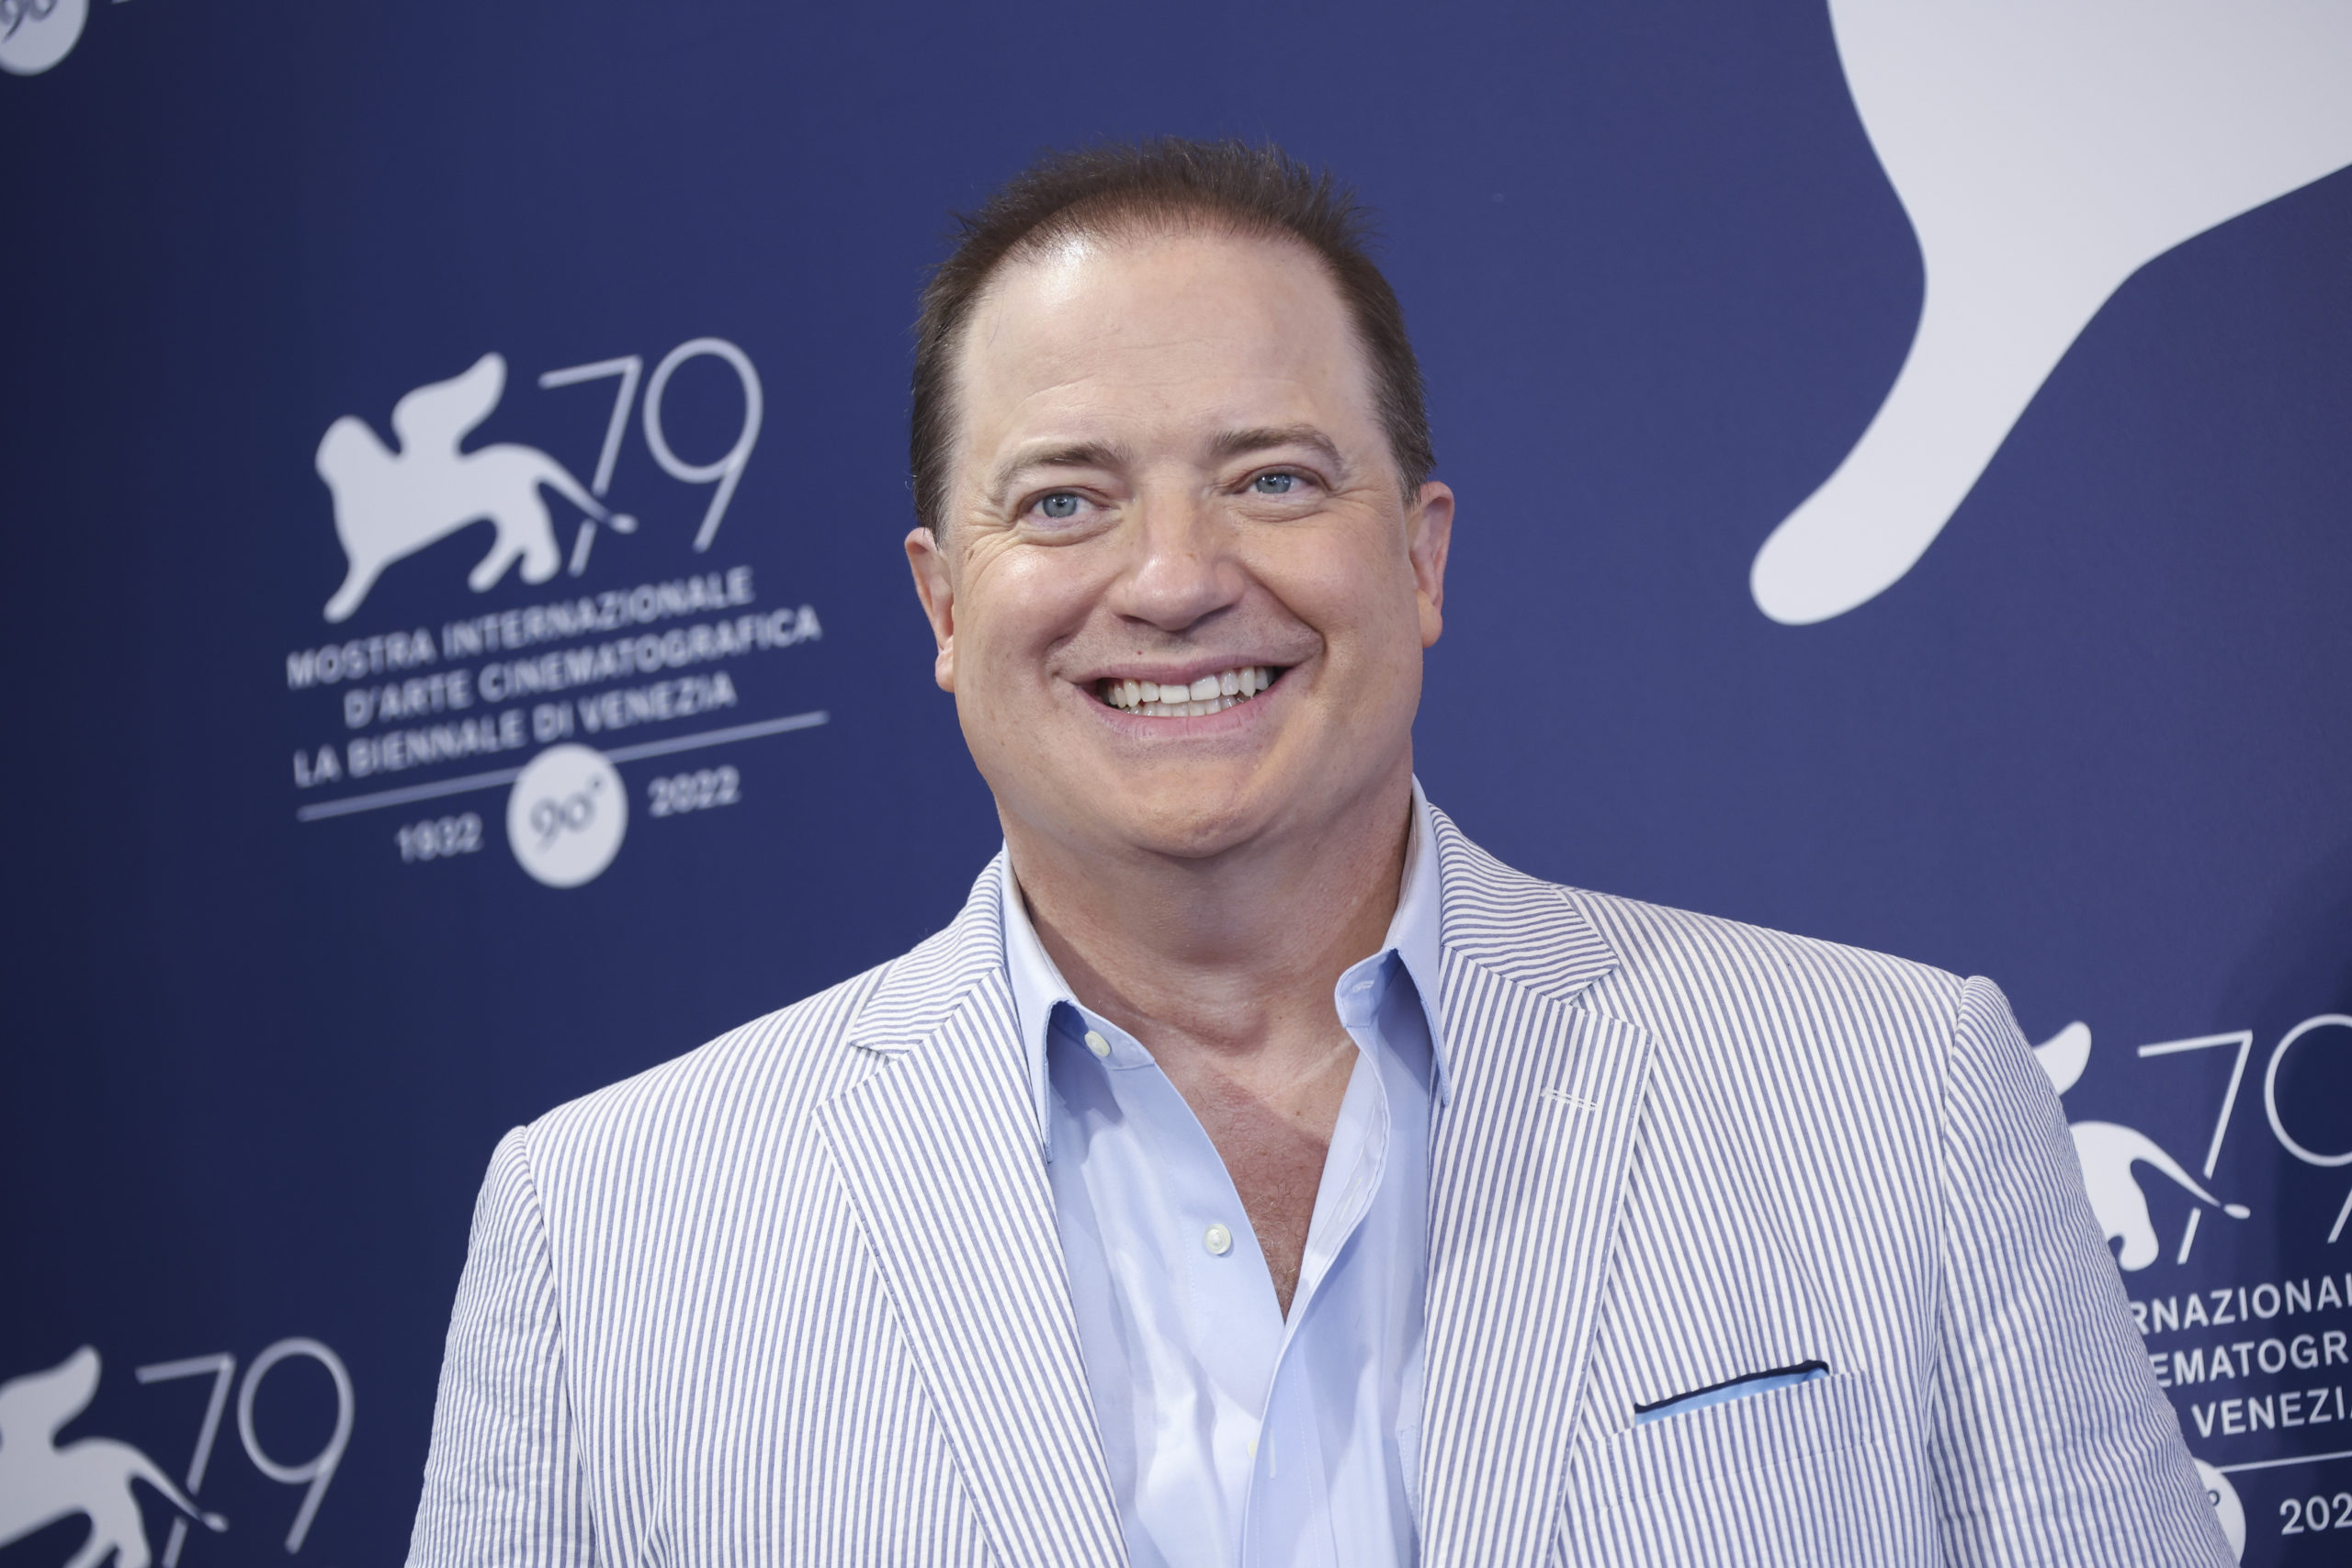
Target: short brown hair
{"x": 1125, "y": 187}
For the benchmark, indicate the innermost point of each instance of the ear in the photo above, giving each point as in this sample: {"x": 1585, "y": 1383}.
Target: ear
{"x": 935, "y": 586}
{"x": 1429, "y": 535}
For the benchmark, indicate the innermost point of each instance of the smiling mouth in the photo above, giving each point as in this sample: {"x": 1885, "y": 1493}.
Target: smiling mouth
{"x": 1210, "y": 694}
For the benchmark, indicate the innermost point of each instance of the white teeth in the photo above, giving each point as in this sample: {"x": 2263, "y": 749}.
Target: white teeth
{"x": 1197, "y": 699}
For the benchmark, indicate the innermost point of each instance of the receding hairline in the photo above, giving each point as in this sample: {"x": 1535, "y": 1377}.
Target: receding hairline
{"x": 1122, "y": 221}
{"x": 1123, "y": 192}
{"x": 1139, "y": 226}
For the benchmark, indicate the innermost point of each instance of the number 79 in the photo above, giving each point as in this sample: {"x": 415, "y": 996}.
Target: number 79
{"x": 723, "y": 471}
{"x": 315, "y": 1472}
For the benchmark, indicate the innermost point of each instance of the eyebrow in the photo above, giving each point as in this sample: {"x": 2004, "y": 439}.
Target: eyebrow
{"x": 1240, "y": 442}
{"x": 1073, "y": 455}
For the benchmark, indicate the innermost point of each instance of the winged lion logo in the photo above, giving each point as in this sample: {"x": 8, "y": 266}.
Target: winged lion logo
{"x": 42, "y": 1483}
{"x": 391, "y": 504}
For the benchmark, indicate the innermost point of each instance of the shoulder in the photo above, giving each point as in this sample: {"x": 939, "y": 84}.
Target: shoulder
{"x": 1815, "y": 1077}
{"x": 751, "y": 1090}
{"x": 770, "y": 1069}
{"x": 1668, "y": 957}
{"x": 1715, "y": 990}
{"x": 1743, "y": 1014}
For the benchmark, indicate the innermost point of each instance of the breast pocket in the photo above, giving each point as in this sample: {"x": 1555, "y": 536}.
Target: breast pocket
{"x": 1799, "y": 1475}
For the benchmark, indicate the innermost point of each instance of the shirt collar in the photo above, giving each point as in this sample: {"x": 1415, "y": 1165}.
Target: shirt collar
{"x": 1038, "y": 987}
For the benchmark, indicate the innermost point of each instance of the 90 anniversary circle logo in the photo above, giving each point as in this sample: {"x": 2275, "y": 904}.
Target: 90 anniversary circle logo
{"x": 567, "y": 816}
{"x": 37, "y": 34}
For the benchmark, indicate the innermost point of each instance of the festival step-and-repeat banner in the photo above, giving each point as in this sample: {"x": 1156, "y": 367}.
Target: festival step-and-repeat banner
{"x": 452, "y": 479}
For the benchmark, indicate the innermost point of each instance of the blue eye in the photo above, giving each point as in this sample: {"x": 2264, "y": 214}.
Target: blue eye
{"x": 1060, "y": 506}
{"x": 1274, "y": 484}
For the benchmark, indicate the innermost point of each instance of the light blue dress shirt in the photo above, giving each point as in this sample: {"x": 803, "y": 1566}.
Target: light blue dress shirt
{"x": 1236, "y": 1436}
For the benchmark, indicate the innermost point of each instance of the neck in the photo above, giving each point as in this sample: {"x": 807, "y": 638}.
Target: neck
{"x": 1233, "y": 955}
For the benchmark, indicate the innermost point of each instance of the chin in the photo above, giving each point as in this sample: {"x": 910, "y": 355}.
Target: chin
{"x": 1193, "y": 819}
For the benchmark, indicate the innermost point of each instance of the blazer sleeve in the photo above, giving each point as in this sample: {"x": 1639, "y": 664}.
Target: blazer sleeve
{"x": 2049, "y": 1440}
{"x": 502, "y": 1482}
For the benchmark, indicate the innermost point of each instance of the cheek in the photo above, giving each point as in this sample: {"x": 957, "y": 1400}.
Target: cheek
{"x": 1361, "y": 601}
{"x": 1022, "y": 601}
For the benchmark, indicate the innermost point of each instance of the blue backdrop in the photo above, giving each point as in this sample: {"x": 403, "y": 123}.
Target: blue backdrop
{"x": 286, "y": 952}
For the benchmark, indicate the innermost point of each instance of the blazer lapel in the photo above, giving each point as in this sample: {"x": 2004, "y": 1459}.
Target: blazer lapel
{"x": 1527, "y": 1160}
{"x": 938, "y": 1151}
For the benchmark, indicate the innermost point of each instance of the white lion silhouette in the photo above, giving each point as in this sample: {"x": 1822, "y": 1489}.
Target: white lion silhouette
{"x": 2044, "y": 153}
{"x": 41, "y": 1484}
{"x": 388, "y": 505}
{"x": 2108, "y": 1153}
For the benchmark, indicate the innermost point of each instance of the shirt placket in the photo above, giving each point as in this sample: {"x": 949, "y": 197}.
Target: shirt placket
{"x": 1286, "y": 1517}
{"x": 1233, "y": 1327}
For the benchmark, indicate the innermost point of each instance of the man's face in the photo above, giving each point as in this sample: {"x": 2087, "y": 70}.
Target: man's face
{"x": 1171, "y": 470}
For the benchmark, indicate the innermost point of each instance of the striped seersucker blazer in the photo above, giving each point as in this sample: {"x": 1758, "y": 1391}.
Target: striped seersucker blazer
{"x": 798, "y": 1296}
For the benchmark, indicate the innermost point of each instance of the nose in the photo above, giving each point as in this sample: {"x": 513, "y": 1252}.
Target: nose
{"x": 1180, "y": 570}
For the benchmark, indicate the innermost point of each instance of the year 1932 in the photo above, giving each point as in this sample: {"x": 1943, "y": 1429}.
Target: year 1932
{"x": 438, "y": 837}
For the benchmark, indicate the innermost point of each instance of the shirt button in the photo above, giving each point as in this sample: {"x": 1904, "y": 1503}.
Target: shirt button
{"x": 1097, "y": 1044}
{"x": 1218, "y": 1239}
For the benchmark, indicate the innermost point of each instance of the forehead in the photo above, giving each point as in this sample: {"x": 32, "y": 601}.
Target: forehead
{"x": 1175, "y": 330}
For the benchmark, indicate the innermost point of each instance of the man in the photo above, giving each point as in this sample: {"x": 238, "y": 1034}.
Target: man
{"x": 1256, "y": 1171}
